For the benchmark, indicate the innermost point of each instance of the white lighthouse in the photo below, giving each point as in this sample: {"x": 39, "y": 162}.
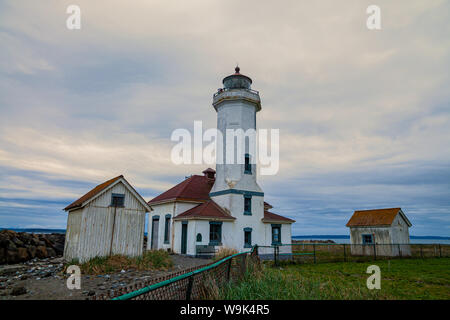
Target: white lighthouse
{"x": 235, "y": 187}
{"x": 223, "y": 208}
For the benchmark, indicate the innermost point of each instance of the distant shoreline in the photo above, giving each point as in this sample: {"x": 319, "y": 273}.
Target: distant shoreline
{"x": 314, "y": 236}
{"x": 348, "y": 237}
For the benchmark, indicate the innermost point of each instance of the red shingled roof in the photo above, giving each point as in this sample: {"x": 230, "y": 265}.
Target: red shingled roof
{"x": 209, "y": 209}
{"x": 376, "y": 217}
{"x": 194, "y": 188}
{"x": 92, "y": 193}
{"x": 272, "y": 217}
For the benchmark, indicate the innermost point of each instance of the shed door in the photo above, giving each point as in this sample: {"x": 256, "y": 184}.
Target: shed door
{"x": 155, "y": 228}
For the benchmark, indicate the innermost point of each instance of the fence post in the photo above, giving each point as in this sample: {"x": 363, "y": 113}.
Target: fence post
{"x": 440, "y": 252}
{"x": 345, "y": 255}
{"x": 399, "y": 251}
{"x": 275, "y": 254}
{"x": 314, "y": 250}
{"x": 421, "y": 252}
{"x": 374, "y": 251}
{"x": 189, "y": 288}
{"x": 229, "y": 270}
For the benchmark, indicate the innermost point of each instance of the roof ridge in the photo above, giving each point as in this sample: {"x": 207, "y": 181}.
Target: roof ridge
{"x": 398, "y": 208}
{"x": 93, "y": 192}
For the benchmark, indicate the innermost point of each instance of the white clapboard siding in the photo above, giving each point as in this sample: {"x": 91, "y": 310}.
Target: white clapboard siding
{"x": 73, "y": 234}
{"x": 90, "y": 230}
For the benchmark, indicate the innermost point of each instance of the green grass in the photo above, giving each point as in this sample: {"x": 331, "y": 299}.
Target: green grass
{"x": 150, "y": 260}
{"x": 400, "y": 279}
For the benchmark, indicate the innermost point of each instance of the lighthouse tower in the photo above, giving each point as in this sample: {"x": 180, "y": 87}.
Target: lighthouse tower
{"x": 235, "y": 188}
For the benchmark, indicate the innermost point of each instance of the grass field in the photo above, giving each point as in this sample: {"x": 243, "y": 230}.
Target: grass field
{"x": 400, "y": 279}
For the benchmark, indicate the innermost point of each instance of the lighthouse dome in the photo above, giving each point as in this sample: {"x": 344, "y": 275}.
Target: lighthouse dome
{"x": 237, "y": 81}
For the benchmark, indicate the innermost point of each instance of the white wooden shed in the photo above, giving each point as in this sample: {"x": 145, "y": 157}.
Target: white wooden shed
{"x": 109, "y": 219}
{"x": 383, "y": 231}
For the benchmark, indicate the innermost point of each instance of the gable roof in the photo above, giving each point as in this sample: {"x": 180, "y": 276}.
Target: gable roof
{"x": 206, "y": 210}
{"x": 92, "y": 194}
{"x": 376, "y": 217}
{"x": 267, "y": 206}
{"x": 273, "y": 217}
{"x": 194, "y": 188}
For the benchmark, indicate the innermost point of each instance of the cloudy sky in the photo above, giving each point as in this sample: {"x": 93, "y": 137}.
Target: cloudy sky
{"x": 364, "y": 115}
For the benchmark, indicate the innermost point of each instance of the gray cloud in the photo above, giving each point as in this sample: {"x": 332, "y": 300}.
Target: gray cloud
{"x": 363, "y": 115}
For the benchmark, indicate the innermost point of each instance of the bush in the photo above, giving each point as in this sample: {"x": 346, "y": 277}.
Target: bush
{"x": 224, "y": 252}
{"x": 150, "y": 260}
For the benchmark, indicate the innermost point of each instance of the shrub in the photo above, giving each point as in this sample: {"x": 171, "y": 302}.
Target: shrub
{"x": 150, "y": 260}
{"x": 224, "y": 252}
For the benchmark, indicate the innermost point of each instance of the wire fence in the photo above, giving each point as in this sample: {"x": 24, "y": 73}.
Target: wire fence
{"x": 195, "y": 283}
{"x": 206, "y": 282}
{"x": 331, "y": 252}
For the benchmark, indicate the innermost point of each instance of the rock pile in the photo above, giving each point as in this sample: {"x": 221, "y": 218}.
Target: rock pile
{"x": 18, "y": 247}
{"x": 15, "y": 279}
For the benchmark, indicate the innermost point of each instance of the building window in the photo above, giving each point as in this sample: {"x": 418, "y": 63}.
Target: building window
{"x": 247, "y": 237}
{"x": 276, "y": 234}
{"x": 199, "y": 237}
{"x": 117, "y": 200}
{"x": 248, "y": 205}
{"x": 367, "y": 239}
{"x": 215, "y": 233}
{"x": 167, "y": 229}
{"x": 248, "y": 166}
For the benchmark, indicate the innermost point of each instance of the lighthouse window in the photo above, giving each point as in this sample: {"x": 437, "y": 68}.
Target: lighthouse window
{"x": 248, "y": 166}
{"x": 247, "y": 205}
{"x": 247, "y": 237}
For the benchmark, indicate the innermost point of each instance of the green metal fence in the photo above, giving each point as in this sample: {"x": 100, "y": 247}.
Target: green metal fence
{"x": 195, "y": 283}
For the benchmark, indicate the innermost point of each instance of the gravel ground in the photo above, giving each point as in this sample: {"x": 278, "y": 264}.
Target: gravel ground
{"x": 42, "y": 279}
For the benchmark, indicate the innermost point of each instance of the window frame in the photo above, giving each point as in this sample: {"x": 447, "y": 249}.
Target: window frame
{"x": 213, "y": 224}
{"x": 247, "y": 164}
{"x": 249, "y": 198}
{"x": 249, "y": 232}
{"x": 117, "y": 196}
{"x": 276, "y": 226}
{"x": 167, "y": 229}
{"x": 363, "y": 238}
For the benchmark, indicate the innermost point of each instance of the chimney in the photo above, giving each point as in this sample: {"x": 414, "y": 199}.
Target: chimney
{"x": 209, "y": 173}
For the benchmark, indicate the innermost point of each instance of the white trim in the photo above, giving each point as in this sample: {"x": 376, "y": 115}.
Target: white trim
{"x": 127, "y": 185}
{"x": 402, "y": 214}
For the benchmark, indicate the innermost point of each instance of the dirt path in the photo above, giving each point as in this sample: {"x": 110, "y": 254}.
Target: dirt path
{"x": 44, "y": 280}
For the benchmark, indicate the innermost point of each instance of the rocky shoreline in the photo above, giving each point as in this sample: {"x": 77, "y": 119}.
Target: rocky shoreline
{"x": 45, "y": 279}
{"x": 16, "y": 247}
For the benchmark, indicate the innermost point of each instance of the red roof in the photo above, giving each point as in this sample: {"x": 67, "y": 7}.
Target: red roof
{"x": 195, "y": 188}
{"x": 272, "y": 217}
{"x": 376, "y": 217}
{"x": 209, "y": 209}
{"x": 92, "y": 193}
{"x": 267, "y": 206}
